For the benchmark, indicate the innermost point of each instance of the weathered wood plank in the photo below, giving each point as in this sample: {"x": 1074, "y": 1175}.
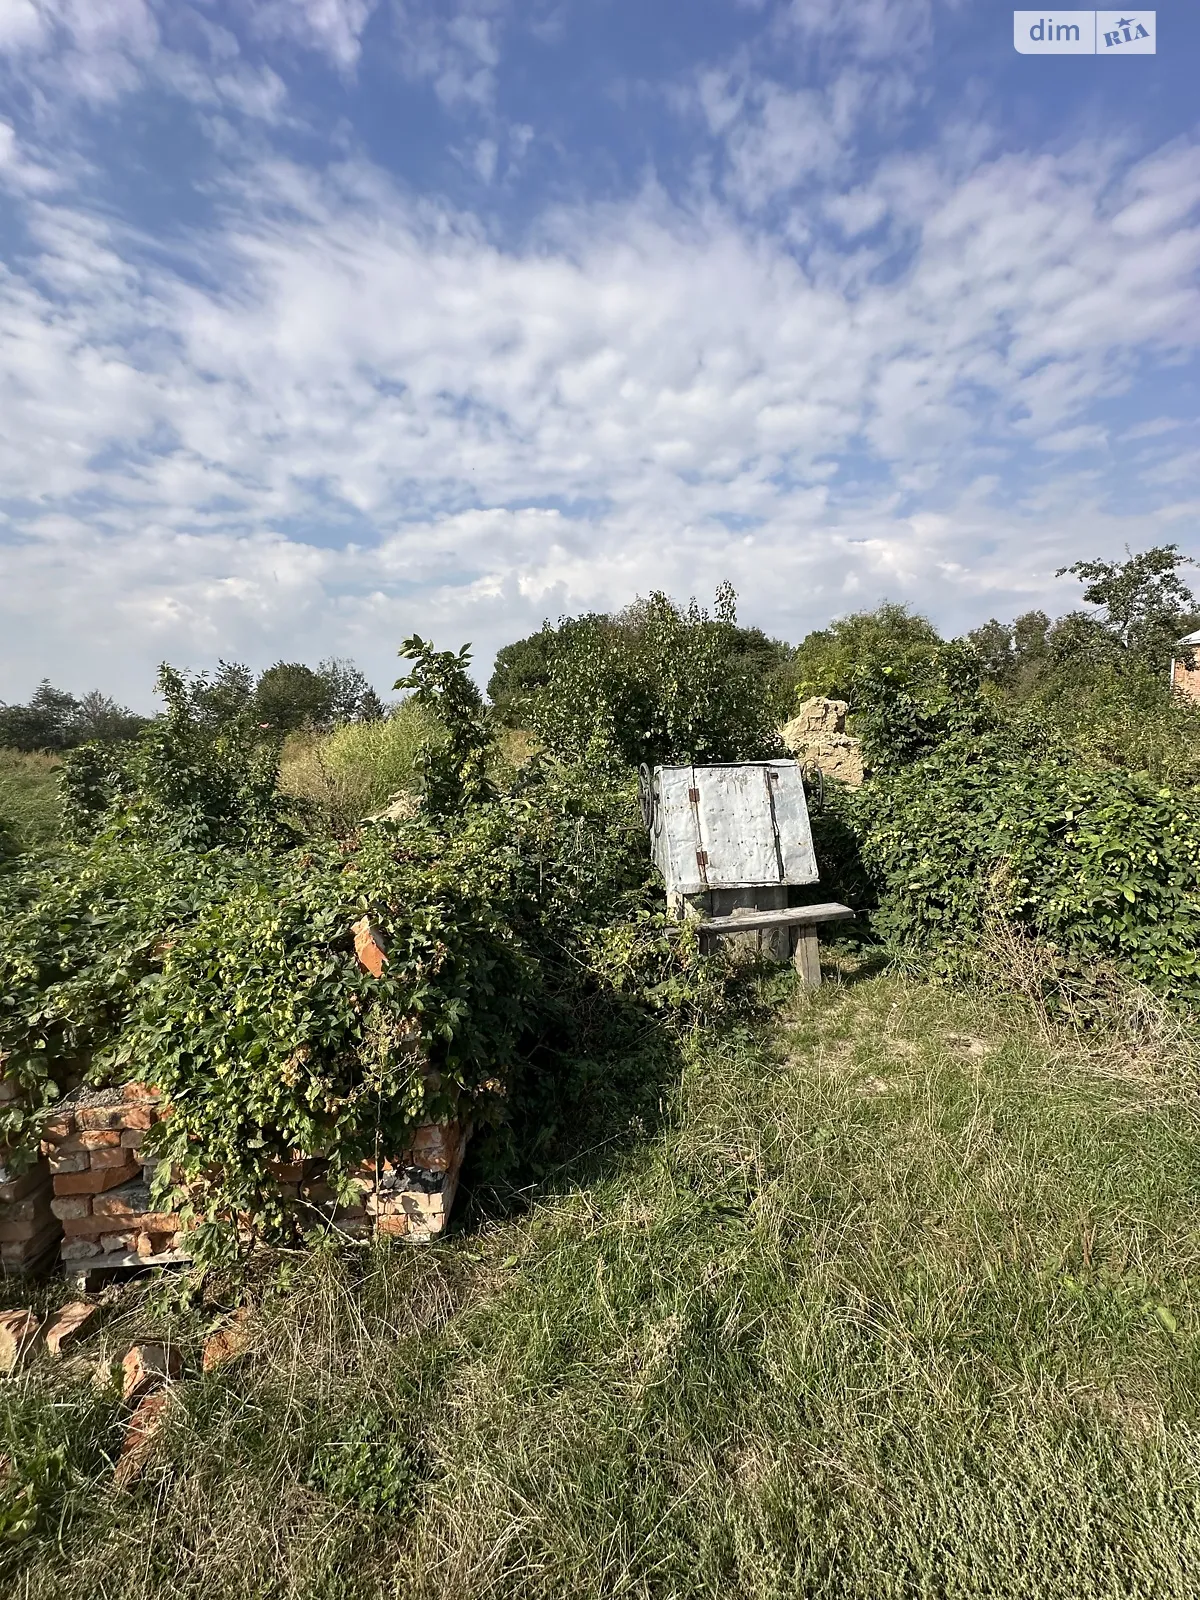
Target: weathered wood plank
{"x": 791, "y": 917}
{"x": 807, "y": 957}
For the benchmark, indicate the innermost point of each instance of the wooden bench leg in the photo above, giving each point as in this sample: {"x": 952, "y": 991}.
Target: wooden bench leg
{"x": 807, "y": 957}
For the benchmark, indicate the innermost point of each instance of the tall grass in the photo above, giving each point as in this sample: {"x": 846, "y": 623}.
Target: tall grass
{"x": 357, "y": 769}
{"x": 30, "y": 805}
{"x": 900, "y": 1301}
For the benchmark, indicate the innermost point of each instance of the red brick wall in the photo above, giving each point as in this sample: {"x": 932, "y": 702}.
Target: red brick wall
{"x": 1187, "y": 682}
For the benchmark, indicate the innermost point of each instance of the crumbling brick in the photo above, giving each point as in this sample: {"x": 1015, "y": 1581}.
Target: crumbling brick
{"x": 71, "y": 1325}
{"x": 95, "y": 1180}
{"x": 369, "y": 947}
{"x": 141, "y": 1437}
{"x": 79, "y": 1161}
{"x": 78, "y": 1249}
{"x": 228, "y": 1342}
{"x": 147, "y": 1366}
{"x": 19, "y": 1332}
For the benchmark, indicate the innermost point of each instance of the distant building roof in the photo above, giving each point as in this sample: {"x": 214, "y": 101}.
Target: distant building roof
{"x": 1192, "y": 638}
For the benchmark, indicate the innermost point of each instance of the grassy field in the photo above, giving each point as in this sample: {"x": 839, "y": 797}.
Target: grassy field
{"x": 896, "y": 1297}
{"x": 29, "y": 799}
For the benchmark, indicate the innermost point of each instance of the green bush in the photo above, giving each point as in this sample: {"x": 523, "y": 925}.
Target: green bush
{"x": 678, "y": 686}
{"x": 1100, "y": 864}
{"x": 828, "y": 661}
{"x": 527, "y": 955}
{"x": 268, "y": 1036}
{"x": 904, "y": 711}
{"x": 1123, "y": 715}
{"x": 80, "y": 937}
{"x": 203, "y": 775}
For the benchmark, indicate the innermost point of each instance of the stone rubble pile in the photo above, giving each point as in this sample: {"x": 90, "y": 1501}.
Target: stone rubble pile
{"x": 409, "y": 1195}
{"x": 817, "y": 737}
{"x": 90, "y": 1186}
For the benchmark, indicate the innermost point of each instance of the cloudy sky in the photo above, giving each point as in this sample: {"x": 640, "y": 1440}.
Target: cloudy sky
{"x": 325, "y": 321}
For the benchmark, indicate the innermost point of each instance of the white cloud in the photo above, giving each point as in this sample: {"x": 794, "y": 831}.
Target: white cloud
{"x": 22, "y": 24}
{"x": 332, "y": 27}
{"x": 363, "y": 416}
{"x": 455, "y": 47}
{"x": 1152, "y": 428}
{"x": 99, "y": 51}
{"x": 1069, "y": 440}
{"x": 341, "y": 413}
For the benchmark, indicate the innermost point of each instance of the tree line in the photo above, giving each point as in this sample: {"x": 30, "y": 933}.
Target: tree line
{"x": 642, "y": 671}
{"x": 284, "y": 698}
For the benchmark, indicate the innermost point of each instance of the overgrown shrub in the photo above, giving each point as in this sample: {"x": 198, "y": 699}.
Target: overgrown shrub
{"x": 268, "y": 1036}
{"x": 903, "y": 711}
{"x": 203, "y": 775}
{"x": 679, "y": 686}
{"x": 81, "y": 935}
{"x": 829, "y": 660}
{"x": 207, "y": 950}
{"x": 1124, "y": 715}
{"x": 1099, "y": 864}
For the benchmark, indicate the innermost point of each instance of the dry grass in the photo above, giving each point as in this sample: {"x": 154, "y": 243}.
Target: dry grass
{"x": 355, "y": 771}
{"x": 902, "y": 1300}
{"x": 29, "y": 797}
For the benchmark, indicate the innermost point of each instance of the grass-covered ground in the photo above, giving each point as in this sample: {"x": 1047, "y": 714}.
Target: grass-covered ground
{"x": 898, "y": 1298}
{"x": 30, "y": 808}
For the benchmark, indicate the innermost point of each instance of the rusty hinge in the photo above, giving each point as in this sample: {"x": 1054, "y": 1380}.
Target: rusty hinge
{"x": 694, "y": 796}
{"x": 701, "y": 858}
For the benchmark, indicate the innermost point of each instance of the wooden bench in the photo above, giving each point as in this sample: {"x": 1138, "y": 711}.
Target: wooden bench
{"x": 804, "y": 919}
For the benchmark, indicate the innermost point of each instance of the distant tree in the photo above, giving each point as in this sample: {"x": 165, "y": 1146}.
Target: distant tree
{"x": 523, "y": 669}
{"x": 1029, "y": 638}
{"x": 54, "y": 720}
{"x": 659, "y": 682}
{"x": 290, "y": 695}
{"x": 351, "y": 697}
{"x": 225, "y": 698}
{"x": 1081, "y": 642}
{"x": 993, "y": 644}
{"x": 829, "y": 660}
{"x": 1145, "y": 606}
{"x": 100, "y": 718}
{"x": 48, "y": 722}
{"x": 371, "y": 708}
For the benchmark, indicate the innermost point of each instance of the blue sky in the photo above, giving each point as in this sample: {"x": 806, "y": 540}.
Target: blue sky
{"x": 325, "y": 321}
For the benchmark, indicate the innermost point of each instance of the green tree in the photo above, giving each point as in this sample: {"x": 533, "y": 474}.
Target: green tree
{"x": 993, "y": 643}
{"x": 99, "y": 717}
{"x": 662, "y": 682}
{"x": 48, "y": 722}
{"x": 1145, "y": 606}
{"x": 55, "y": 720}
{"x": 290, "y": 695}
{"x": 522, "y": 669}
{"x": 351, "y": 697}
{"x": 905, "y": 711}
{"x": 225, "y": 698}
{"x": 828, "y": 659}
{"x": 202, "y": 775}
{"x": 454, "y": 766}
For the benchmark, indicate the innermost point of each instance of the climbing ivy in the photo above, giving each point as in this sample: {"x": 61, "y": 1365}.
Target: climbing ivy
{"x": 1098, "y": 863}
